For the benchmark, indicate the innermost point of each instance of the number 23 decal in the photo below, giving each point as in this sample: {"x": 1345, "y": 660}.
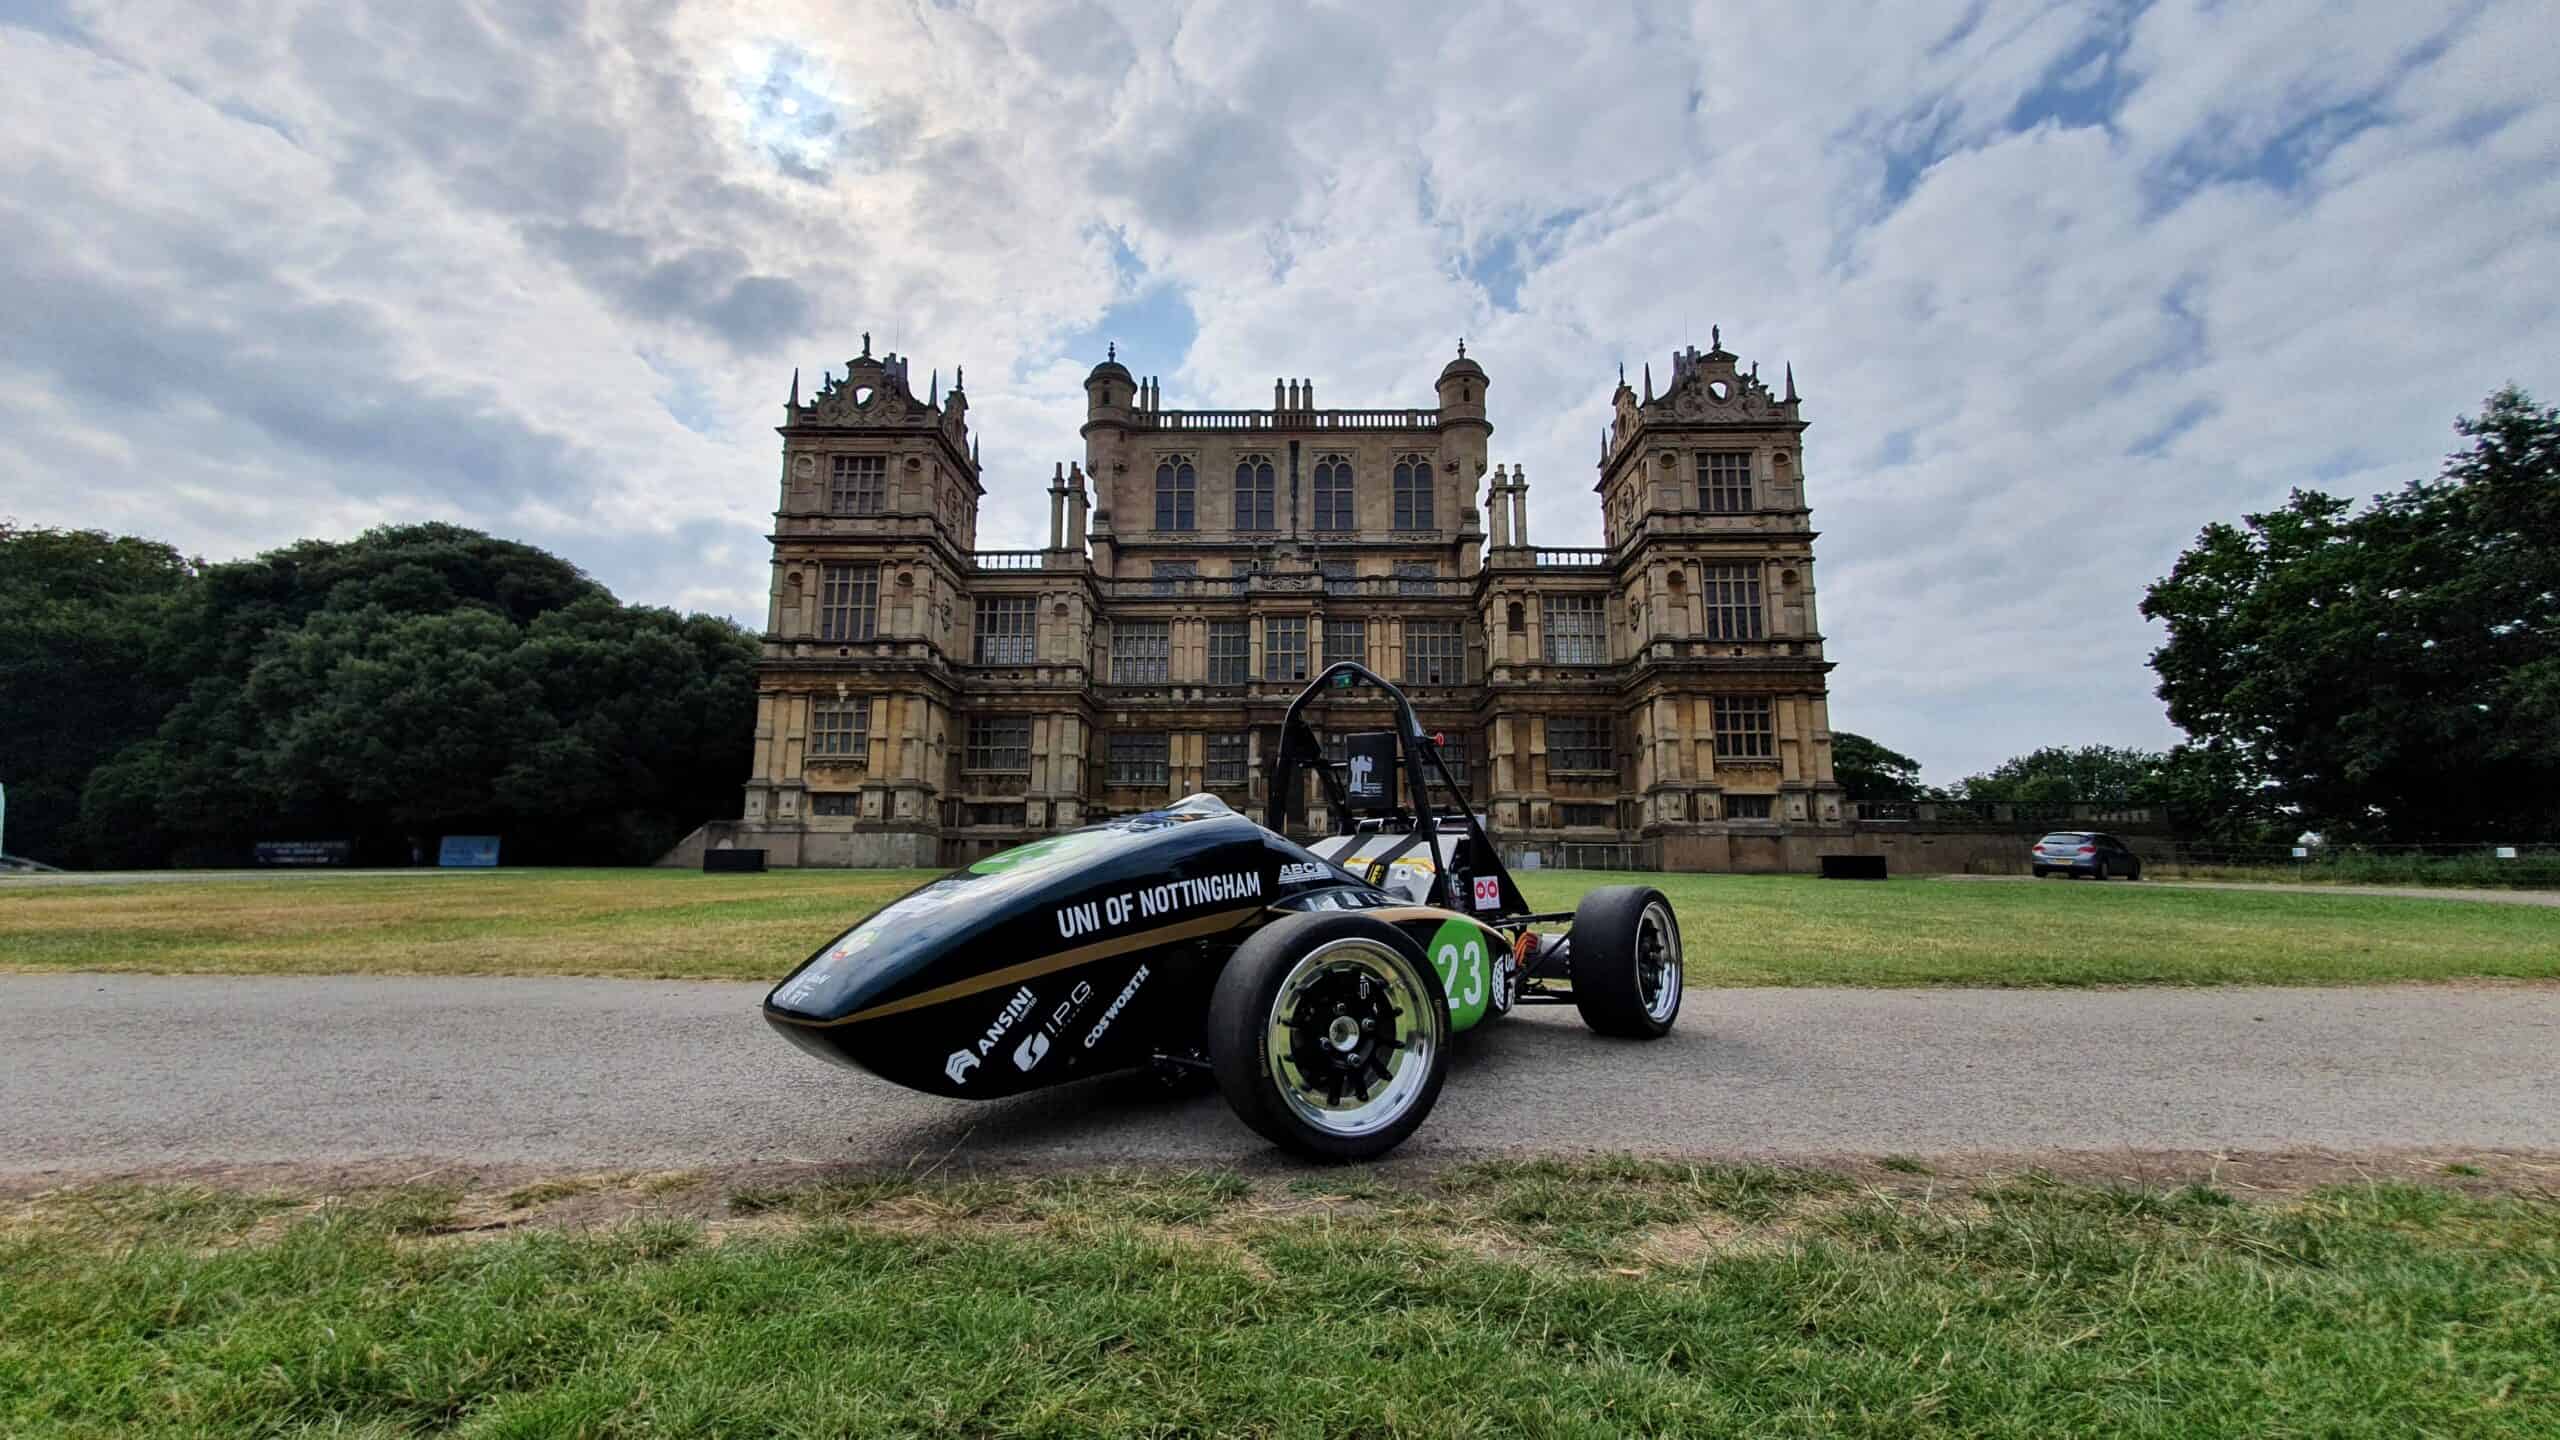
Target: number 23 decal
{"x": 1462, "y": 966}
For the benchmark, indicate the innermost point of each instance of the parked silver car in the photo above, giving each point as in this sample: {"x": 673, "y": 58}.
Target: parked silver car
{"x": 2084, "y": 852}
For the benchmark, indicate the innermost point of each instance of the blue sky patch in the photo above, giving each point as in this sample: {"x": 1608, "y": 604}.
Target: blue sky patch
{"x": 2188, "y": 416}
{"x": 1502, "y": 263}
{"x": 684, "y": 397}
{"x": 1152, "y": 321}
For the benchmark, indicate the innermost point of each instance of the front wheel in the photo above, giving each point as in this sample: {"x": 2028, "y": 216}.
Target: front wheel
{"x": 1625, "y": 948}
{"x": 1329, "y": 1035}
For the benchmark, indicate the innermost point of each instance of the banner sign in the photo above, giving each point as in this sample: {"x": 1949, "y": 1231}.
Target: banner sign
{"x": 304, "y": 852}
{"x": 472, "y": 851}
{"x": 1369, "y": 777}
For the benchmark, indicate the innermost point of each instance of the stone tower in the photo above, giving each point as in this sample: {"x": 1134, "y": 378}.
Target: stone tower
{"x": 1703, "y": 499}
{"x": 877, "y": 516}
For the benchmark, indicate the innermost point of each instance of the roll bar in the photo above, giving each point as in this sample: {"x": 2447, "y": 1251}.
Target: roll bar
{"x": 1299, "y": 744}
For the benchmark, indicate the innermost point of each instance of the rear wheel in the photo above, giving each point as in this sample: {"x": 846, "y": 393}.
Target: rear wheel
{"x": 2041, "y": 872}
{"x": 1329, "y": 1035}
{"x": 2099, "y": 872}
{"x": 1625, "y": 948}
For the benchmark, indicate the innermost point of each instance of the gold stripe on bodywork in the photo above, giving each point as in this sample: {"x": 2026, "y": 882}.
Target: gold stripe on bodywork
{"x": 1398, "y": 914}
{"x": 1189, "y": 929}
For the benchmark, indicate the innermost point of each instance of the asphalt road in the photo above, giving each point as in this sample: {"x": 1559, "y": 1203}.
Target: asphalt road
{"x": 2546, "y": 898}
{"x": 102, "y": 1073}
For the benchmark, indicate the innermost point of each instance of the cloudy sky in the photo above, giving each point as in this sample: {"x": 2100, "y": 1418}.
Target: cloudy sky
{"x": 2060, "y": 283}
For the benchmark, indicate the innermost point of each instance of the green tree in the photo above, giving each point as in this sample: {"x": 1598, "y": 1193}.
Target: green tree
{"x": 2056, "y": 773}
{"x": 78, "y": 610}
{"x": 1870, "y": 772}
{"x": 427, "y": 680}
{"x": 2214, "y": 793}
{"x": 2394, "y": 672}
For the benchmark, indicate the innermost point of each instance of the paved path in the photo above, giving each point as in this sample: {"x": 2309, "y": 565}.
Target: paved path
{"x": 117, "y": 1072}
{"x": 2315, "y": 887}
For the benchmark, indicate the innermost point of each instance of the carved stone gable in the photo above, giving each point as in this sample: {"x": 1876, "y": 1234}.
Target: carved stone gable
{"x": 870, "y": 393}
{"x": 1708, "y": 385}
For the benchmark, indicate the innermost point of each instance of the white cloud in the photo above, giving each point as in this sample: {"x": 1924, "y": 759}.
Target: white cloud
{"x": 2061, "y": 283}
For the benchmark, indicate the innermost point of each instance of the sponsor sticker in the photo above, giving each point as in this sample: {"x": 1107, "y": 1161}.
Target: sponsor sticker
{"x": 966, "y": 1059}
{"x": 1488, "y": 892}
{"x": 1300, "y": 873}
{"x": 1035, "y": 1045}
{"x": 808, "y": 985}
{"x": 1118, "y": 1003}
{"x": 1033, "y": 1048}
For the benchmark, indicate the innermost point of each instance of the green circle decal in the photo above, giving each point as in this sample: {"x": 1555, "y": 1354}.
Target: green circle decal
{"x": 1460, "y": 952}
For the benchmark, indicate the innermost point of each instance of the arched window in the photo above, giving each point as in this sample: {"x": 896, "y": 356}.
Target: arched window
{"x": 1175, "y": 484}
{"x": 1413, "y": 493}
{"x": 1333, "y": 493}
{"x": 1254, "y": 492}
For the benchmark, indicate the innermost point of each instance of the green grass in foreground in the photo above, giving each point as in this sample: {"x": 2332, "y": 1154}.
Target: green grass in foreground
{"x": 1617, "y": 1298}
{"x": 1739, "y": 929}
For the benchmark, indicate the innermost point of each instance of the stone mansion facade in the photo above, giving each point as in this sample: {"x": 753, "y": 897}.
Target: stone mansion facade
{"x": 923, "y": 702}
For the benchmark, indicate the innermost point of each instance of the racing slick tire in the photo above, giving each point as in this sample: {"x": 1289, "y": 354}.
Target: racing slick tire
{"x": 1329, "y": 1035}
{"x": 1625, "y": 945}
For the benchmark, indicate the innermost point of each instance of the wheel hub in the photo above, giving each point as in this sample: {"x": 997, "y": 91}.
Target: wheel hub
{"x": 1343, "y": 1033}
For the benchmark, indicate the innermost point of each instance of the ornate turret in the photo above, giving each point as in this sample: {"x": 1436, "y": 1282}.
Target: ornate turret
{"x": 1463, "y": 382}
{"x": 1465, "y": 431}
{"x": 1110, "y": 386}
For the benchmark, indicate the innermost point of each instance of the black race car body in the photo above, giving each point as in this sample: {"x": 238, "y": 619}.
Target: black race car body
{"x": 1320, "y": 983}
{"x": 1090, "y": 951}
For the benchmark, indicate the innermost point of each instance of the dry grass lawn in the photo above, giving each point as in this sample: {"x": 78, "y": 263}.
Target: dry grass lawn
{"x": 1740, "y": 930}
{"x": 652, "y": 924}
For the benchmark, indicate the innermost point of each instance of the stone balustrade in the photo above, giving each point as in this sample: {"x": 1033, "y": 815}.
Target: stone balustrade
{"x": 1004, "y": 559}
{"x": 1286, "y": 420}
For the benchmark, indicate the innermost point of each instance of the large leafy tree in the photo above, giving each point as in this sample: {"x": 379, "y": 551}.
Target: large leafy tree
{"x": 78, "y": 613}
{"x": 426, "y": 680}
{"x": 2394, "y": 672}
{"x": 2105, "y": 773}
{"x": 1870, "y": 772}
{"x": 2214, "y": 793}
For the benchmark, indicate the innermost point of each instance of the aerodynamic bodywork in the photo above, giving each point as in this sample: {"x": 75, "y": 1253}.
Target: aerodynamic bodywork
{"x": 1320, "y": 983}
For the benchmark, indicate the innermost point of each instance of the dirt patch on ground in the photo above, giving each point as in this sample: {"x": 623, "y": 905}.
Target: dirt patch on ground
{"x": 1711, "y": 1237}
{"x": 486, "y": 1201}
{"x": 2245, "y": 1174}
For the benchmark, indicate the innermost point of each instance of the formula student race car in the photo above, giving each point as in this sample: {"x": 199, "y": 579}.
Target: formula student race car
{"x": 1320, "y": 983}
